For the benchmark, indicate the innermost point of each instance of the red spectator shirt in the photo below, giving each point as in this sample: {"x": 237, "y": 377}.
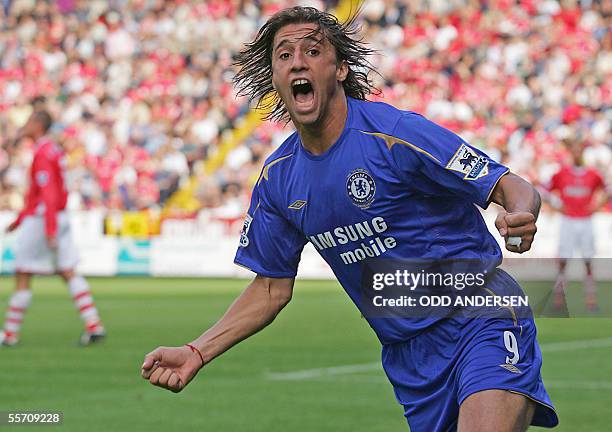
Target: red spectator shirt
{"x": 47, "y": 193}
{"x": 576, "y": 187}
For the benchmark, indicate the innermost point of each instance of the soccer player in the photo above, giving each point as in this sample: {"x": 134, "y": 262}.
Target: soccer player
{"x": 409, "y": 184}
{"x": 578, "y": 193}
{"x": 44, "y": 244}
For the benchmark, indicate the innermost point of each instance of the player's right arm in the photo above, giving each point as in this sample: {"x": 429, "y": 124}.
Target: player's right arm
{"x": 550, "y": 192}
{"x": 270, "y": 246}
{"x": 29, "y": 201}
{"x": 257, "y": 306}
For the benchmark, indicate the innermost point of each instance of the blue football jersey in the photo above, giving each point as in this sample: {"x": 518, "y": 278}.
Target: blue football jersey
{"x": 394, "y": 185}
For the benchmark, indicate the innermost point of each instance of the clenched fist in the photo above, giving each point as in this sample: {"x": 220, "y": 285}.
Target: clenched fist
{"x": 171, "y": 368}
{"x": 517, "y": 224}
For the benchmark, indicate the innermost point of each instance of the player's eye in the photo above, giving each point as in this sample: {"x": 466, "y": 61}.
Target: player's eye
{"x": 313, "y": 52}
{"x": 283, "y": 56}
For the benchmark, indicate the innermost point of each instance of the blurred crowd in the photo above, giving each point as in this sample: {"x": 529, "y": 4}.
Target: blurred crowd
{"x": 141, "y": 89}
{"x": 515, "y": 78}
{"x": 141, "y": 92}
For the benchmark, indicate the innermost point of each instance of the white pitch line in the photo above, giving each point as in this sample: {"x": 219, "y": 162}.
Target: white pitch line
{"x": 581, "y": 385}
{"x": 305, "y": 374}
{"x": 557, "y": 384}
{"x": 577, "y": 345}
{"x": 319, "y": 372}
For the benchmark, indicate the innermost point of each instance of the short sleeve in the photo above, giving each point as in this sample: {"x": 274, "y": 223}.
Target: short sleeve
{"x": 269, "y": 244}
{"x": 554, "y": 182}
{"x": 434, "y": 158}
{"x": 599, "y": 181}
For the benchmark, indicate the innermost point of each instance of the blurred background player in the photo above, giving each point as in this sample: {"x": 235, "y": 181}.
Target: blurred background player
{"x": 44, "y": 244}
{"x": 578, "y": 192}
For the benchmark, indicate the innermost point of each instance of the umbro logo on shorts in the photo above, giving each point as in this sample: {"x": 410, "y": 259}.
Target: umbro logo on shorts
{"x": 511, "y": 368}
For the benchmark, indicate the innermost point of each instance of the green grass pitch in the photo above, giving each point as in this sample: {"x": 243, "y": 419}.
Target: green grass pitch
{"x": 99, "y": 388}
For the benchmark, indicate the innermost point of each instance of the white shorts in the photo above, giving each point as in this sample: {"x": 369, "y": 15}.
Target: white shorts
{"x": 32, "y": 254}
{"x": 576, "y": 236}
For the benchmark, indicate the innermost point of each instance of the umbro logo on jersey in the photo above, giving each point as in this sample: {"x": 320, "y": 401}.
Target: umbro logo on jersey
{"x": 511, "y": 368}
{"x": 297, "y": 205}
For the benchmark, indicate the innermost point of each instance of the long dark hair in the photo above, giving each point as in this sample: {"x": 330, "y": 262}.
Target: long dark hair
{"x": 254, "y": 77}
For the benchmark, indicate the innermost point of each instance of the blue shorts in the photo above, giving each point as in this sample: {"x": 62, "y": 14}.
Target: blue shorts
{"x": 434, "y": 372}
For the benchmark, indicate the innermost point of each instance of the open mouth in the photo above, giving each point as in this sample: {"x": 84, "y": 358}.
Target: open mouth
{"x": 303, "y": 92}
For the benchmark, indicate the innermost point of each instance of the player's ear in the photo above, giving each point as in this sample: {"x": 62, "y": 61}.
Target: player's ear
{"x": 342, "y": 71}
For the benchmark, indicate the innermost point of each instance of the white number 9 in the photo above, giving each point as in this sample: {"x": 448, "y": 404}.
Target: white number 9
{"x": 512, "y": 346}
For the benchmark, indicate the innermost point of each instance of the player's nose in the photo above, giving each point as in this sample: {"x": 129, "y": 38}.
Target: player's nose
{"x": 298, "y": 61}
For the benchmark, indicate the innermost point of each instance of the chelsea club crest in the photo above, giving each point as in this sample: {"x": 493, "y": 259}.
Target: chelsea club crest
{"x": 361, "y": 188}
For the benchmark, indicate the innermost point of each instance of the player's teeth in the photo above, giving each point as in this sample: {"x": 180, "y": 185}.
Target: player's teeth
{"x": 300, "y": 82}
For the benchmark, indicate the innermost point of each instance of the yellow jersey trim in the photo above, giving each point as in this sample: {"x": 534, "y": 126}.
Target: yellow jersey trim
{"x": 391, "y": 141}
{"x": 510, "y": 308}
{"x": 531, "y": 399}
{"x": 265, "y": 172}
{"x": 495, "y": 185}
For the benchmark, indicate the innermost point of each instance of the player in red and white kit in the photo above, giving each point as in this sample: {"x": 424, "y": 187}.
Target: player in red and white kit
{"x": 44, "y": 244}
{"x": 580, "y": 192}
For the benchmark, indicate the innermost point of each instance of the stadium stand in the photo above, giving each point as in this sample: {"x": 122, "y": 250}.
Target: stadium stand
{"x": 145, "y": 106}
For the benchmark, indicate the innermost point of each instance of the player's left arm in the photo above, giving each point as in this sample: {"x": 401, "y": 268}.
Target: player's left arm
{"x": 601, "y": 196}
{"x": 432, "y": 155}
{"x": 521, "y": 202}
